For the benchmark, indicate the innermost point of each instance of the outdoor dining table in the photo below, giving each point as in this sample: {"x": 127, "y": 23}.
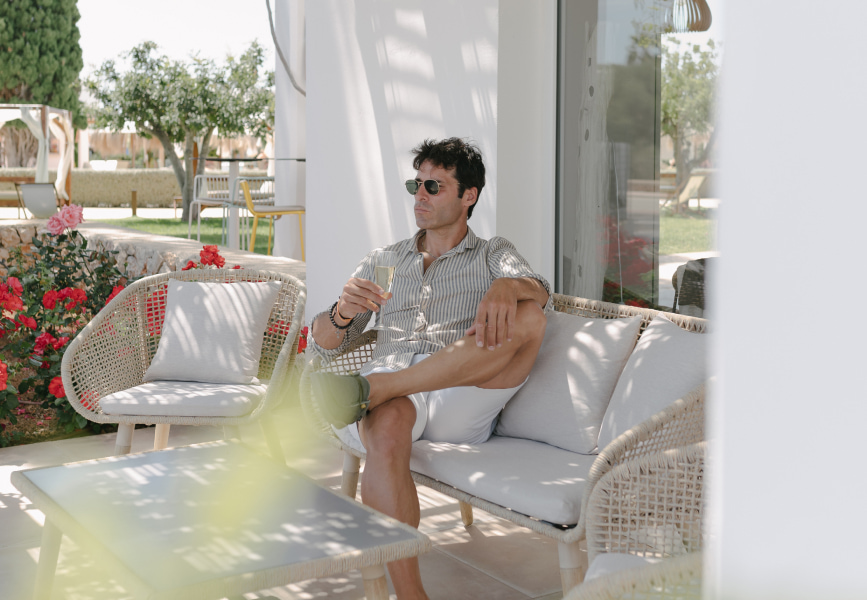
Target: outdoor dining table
{"x": 209, "y": 521}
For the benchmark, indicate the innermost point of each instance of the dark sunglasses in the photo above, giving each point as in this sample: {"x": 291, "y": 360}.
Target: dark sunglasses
{"x": 432, "y": 186}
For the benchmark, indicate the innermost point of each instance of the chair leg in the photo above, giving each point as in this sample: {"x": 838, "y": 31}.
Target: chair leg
{"x": 231, "y": 432}
{"x": 253, "y": 233}
{"x": 270, "y": 230}
{"x": 161, "y": 436}
{"x": 124, "y": 438}
{"x": 573, "y": 565}
{"x": 466, "y": 513}
{"x": 351, "y": 467}
{"x": 273, "y": 440}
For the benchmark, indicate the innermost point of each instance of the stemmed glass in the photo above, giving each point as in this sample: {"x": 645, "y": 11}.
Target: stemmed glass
{"x": 383, "y": 274}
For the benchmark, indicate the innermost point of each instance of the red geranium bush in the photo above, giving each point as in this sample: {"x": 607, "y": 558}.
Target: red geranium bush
{"x": 52, "y": 290}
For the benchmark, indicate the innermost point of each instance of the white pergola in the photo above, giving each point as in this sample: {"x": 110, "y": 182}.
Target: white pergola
{"x": 43, "y": 122}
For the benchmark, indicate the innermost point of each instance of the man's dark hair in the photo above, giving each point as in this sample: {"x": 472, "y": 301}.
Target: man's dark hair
{"x": 464, "y": 157}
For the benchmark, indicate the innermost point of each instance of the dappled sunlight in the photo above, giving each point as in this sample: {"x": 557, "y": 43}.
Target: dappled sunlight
{"x": 188, "y": 515}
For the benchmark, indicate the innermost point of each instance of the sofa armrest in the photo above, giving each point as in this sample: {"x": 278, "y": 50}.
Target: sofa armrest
{"x": 650, "y": 506}
{"x": 109, "y": 355}
{"x": 679, "y": 424}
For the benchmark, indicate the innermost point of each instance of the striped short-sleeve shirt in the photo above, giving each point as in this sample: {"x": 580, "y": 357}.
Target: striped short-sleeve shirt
{"x": 431, "y": 309}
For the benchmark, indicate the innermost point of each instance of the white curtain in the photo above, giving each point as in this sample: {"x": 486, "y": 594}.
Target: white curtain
{"x": 62, "y": 130}
{"x": 589, "y": 258}
{"x": 34, "y": 124}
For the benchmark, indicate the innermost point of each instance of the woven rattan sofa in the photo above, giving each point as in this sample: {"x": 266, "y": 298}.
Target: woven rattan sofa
{"x": 525, "y": 480}
{"x": 113, "y": 352}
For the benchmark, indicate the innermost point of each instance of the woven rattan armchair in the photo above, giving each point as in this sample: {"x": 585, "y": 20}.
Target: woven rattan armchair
{"x": 681, "y": 423}
{"x": 649, "y": 507}
{"x": 113, "y": 351}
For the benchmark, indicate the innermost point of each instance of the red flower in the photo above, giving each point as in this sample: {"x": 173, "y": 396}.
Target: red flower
{"x": 155, "y": 307}
{"x": 279, "y": 327}
{"x": 56, "y": 387}
{"x": 16, "y": 286}
{"x": 302, "y": 340}
{"x": 42, "y": 342}
{"x": 114, "y": 292}
{"x": 59, "y": 343}
{"x": 637, "y": 303}
{"x": 190, "y": 265}
{"x": 28, "y": 322}
{"x": 74, "y": 296}
{"x": 211, "y": 256}
{"x": 4, "y": 375}
{"x": 237, "y": 267}
{"x": 89, "y": 399}
{"x": 49, "y": 299}
{"x": 10, "y": 302}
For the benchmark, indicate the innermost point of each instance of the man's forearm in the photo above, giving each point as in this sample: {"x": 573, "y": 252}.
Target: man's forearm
{"x": 326, "y": 334}
{"x": 529, "y": 288}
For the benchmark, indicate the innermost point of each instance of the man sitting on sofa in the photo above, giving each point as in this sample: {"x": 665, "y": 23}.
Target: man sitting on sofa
{"x": 462, "y": 326}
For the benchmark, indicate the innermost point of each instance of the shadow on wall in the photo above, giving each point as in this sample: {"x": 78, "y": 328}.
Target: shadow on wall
{"x": 431, "y": 73}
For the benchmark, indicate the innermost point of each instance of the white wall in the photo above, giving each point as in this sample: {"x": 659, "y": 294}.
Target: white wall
{"x": 790, "y": 413}
{"x": 382, "y": 76}
{"x": 290, "y": 140}
{"x": 526, "y": 136}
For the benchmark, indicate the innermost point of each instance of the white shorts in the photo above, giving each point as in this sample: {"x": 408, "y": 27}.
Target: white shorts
{"x": 458, "y": 415}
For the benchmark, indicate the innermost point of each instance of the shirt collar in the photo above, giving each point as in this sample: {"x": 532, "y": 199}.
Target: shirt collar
{"x": 470, "y": 241}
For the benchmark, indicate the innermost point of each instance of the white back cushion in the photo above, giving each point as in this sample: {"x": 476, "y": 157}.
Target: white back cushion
{"x": 213, "y": 332}
{"x": 564, "y": 400}
{"x": 668, "y": 362}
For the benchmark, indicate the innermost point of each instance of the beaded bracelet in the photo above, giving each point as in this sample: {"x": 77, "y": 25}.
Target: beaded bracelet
{"x": 331, "y": 316}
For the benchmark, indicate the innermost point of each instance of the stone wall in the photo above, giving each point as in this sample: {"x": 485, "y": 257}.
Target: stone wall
{"x": 12, "y": 236}
{"x": 154, "y": 187}
{"x": 140, "y": 253}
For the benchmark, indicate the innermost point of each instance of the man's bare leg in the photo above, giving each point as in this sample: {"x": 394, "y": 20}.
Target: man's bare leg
{"x": 386, "y": 431}
{"x": 387, "y": 485}
{"x": 464, "y": 363}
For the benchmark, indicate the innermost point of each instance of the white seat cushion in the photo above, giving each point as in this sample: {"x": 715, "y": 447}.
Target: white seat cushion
{"x": 213, "y": 332}
{"x": 605, "y": 564}
{"x": 185, "y": 399}
{"x": 529, "y": 477}
{"x": 668, "y": 362}
{"x": 565, "y": 398}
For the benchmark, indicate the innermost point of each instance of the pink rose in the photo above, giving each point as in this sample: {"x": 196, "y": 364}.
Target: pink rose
{"x": 55, "y": 226}
{"x": 71, "y": 215}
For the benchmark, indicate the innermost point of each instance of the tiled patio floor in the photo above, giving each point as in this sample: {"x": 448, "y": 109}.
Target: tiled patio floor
{"x": 491, "y": 559}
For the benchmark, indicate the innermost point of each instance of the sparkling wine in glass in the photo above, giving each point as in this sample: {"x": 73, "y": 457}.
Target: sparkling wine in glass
{"x": 383, "y": 275}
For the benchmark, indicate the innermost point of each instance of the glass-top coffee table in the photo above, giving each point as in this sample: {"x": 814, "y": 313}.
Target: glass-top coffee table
{"x": 209, "y": 521}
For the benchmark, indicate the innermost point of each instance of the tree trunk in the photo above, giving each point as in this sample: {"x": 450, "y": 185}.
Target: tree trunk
{"x": 20, "y": 147}
{"x": 175, "y": 161}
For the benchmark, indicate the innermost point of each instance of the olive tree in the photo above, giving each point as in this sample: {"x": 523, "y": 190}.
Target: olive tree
{"x": 688, "y": 89}
{"x": 40, "y": 63}
{"x": 185, "y": 102}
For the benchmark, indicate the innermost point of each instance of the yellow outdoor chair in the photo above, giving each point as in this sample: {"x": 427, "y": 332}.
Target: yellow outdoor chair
{"x": 271, "y": 214}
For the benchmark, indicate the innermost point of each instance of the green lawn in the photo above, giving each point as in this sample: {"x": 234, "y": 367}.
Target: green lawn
{"x": 678, "y": 234}
{"x": 211, "y": 229}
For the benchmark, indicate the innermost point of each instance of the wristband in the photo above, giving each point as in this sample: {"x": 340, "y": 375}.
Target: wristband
{"x": 331, "y": 316}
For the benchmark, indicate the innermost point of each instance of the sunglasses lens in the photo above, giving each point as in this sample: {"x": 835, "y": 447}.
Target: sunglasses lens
{"x": 411, "y": 186}
{"x": 432, "y": 187}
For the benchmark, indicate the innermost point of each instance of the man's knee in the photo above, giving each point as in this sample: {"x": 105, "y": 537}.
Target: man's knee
{"x": 389, "y": 426}
{"x": 530, "y": 320}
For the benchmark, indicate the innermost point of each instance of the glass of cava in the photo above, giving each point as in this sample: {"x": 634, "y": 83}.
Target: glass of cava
{"x": 383, "y": 275}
